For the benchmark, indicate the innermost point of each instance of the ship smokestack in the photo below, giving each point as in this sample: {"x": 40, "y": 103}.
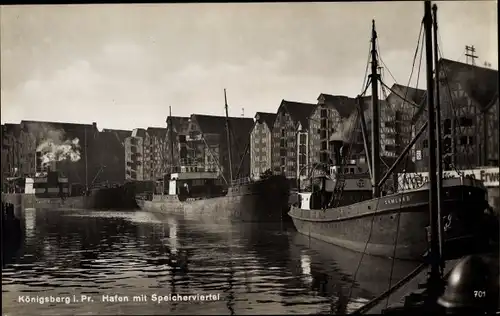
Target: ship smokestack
{"x": 52, "y": 166}
{"x": 38, "y": 162}
{"x": 42, "y": 165}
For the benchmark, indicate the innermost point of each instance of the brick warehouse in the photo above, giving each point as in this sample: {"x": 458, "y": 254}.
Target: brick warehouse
{"x": 292, "y": 117}
{"x": 18, "y": 152}
{"x": 159, "y": 154}
{"x": 146, "y": 154}
{"x": 397, "y": 119}
{"x": 261, "y": 145}
{"x": 469, "y": 117}
{"x": 136, "y": 155}
{"x": 302, "y": 131}
{"x": 469, "y": 122}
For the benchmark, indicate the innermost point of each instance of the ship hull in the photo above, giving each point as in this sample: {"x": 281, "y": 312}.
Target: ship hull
{"x": 162, "y": 204}
{"x": 11, "y": 225}
{"x": 372, "y": 226}
{"x": 263, "y": 201}
{"x": 117, "y": 198}
{"x": 31, "y": 201}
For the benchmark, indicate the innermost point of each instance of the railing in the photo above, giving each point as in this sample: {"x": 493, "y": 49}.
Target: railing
{"x": 188, "y": 165}
{"x": 242, "y": 181}
{"x": 147, "y": 195}
{"x": 193, "y": 162}
{"x": 193, "y": 168}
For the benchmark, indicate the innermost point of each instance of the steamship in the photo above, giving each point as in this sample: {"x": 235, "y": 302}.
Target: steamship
{"x": 51, "y": 189}
{"x": 343, "y": 212}
{"x": 203, "y": 194}
{"x": 389, "y": 224}
{"x": 48, "y": 189}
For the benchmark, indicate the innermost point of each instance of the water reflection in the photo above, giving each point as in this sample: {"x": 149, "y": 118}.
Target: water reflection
{"x": 305, "y": 264}
{"x": 172, "y": 234}
{"x": 347, "y": 277}
{"x": 256, "y": 269}
{"x": 29, "y": 216}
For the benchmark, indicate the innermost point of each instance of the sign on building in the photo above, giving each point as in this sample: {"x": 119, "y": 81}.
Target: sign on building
{"x": 489, "y": 176}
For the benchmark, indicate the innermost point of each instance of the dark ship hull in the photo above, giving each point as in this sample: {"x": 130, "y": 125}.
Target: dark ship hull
{"x": 261, "y": 201}
{"x": 11, "y": 224}
{"x": 49, "y": 190}
{"x": 371, "y": 226}
{"x": 32, "y": 201}
{"x": 103, "y": 198}
{"x": 121, "y": 197}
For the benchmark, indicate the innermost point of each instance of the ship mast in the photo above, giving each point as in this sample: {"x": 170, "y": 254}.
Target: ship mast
{"x": 228, "y": 140}
{"x": 86, "y": 163}
{"x": 439, "y": 147}
{"x": 375, "y": 161}
{"x": 171, "y": 139}
{"x": 434, "y": 278}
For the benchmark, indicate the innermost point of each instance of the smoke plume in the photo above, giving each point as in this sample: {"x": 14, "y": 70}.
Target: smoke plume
{"x": 347, "y": 126}
{"x": 52, "y": 151}
{"x": 52, "y": 144}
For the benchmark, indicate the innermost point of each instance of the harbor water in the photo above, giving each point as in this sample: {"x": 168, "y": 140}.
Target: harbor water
{"x": 138, "y": 263}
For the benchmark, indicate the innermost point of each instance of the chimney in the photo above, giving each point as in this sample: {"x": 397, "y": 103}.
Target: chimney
{"x": 94, "y": 125}
{"x": 38, "y": 166}
{"x": 52, "y": 166}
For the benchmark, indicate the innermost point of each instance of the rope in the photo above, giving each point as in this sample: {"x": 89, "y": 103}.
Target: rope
{"x": 364, "y": 251}
{"x": 440, "y": 43}
{"x": 214, "y": 158}
{"x": 363, "y": 309}
{"x": 366, "y": 88}
{"x": 385, "y": 66}
{"x": 407, "y": 157}
{"x": 365, "y": 83}
{"x": 400, "y": 96}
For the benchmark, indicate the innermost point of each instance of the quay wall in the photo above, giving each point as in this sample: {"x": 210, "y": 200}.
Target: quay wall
{"x": 494, "y": 199}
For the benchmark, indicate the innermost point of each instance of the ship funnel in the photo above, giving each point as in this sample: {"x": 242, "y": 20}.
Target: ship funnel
{"x": 51, "y": 166}
{"x": 39, "y": 162}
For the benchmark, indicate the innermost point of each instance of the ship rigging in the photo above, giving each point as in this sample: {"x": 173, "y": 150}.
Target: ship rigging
{"x": 390, "y": 224}
{"x": 426, "y": 302}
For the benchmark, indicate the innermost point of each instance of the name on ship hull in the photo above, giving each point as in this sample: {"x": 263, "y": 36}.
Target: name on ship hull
{"x": 397, "y": 200}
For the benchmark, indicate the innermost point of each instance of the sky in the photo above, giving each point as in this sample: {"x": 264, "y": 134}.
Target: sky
{"x": 124, "y": 65}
